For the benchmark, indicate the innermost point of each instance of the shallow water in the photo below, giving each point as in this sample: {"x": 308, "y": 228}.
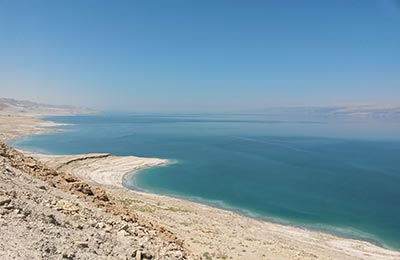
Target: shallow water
{"x": 341, "y": 178}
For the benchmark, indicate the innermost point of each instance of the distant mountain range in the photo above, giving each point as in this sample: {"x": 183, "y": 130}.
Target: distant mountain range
{"x": 24, "y": 107}
{"x": 336, "y": 112}
{"x": 359, "y": 112}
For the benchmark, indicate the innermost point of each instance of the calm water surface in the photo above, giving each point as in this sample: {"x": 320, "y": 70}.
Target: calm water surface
{"x": 343, "y": 178}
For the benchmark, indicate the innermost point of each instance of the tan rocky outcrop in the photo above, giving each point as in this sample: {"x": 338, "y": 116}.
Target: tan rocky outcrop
{"x": 53, "y": 215}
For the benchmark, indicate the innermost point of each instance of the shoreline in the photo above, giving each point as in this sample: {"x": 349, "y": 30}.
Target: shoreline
{"x": 114, "y": 181}
{"x": 328, "y": 230}
{"x": 102, "y": 168}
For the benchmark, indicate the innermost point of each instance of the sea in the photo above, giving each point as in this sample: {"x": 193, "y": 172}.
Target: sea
{"x": 340, "y": 176}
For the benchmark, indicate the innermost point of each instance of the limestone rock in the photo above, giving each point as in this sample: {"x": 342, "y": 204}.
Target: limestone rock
{"x": 138, "y": 255}
{"x": 82, "y": 244}
{"x": 4, "y": 200}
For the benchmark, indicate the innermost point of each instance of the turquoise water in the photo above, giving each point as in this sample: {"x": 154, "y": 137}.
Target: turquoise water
{"x": 340, "y": 178}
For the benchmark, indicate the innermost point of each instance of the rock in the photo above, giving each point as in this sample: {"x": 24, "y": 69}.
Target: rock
{"x": 177, "y": 254}
{"x": 147, "y": 256}
{"x": 124, "y": 227}
{"x": 82, "y": 244}
{"x": 101, "y": 195}
{"x": 66, "y": 206}
{"x": 67, "y": 255}
{"x": 9, "y": 206}
{"x": 4, "y": 200}
{"x": 100, "y": 225}
{"x": 12, "y": 194}
{"x": 52, "y": 220}
{"x": 108, "y": 228}
{"x": 82, "y": 187}
{"x": 9, "y": 171}
{"x": 69, "y": 178}
{"x": 26, "y": 212}
{"x": 42, "y": 187}
{"x": 31, "y": 163}
{"x": 78, "y": 226}
{"x": 138, "y": 255}
{"x": 3, "y": 211}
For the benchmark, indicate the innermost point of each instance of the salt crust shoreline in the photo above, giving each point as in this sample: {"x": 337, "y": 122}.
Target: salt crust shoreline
{"x": 207, "y": 231}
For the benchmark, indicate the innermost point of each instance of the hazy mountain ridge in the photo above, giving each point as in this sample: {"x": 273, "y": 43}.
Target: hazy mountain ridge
{"x": 335, "y": 112}
{"x": 8, "y": 105}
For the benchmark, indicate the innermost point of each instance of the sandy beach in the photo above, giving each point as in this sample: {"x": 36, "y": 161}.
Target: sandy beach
{"x": 97, "y": 167}
{"x": 207, "y": 232}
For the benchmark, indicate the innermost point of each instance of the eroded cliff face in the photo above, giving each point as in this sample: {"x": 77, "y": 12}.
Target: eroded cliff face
{"x": 48, "y": 214}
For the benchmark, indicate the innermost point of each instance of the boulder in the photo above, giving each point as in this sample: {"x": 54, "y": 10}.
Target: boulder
{"x": 4, "y": 200}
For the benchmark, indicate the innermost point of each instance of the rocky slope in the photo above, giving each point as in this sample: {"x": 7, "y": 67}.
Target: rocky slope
{"x": 47, "y": 214}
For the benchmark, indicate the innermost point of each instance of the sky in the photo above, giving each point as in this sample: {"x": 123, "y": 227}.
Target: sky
{"x": 217, "y": 55}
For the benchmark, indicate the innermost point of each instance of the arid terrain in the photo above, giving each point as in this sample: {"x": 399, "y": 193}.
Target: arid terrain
{"x": 75, "y": 207}
{"x": 46, "y": 214}
{"x": 19, "y": 118}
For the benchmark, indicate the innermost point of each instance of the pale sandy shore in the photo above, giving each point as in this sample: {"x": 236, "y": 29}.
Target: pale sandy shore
{"x": 14, "y": 126}
{"x": 208, "y": 232}
{"x": 102, "y": 168}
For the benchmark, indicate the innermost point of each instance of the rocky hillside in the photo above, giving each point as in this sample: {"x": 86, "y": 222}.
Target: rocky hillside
{"x": 47, "y": 214}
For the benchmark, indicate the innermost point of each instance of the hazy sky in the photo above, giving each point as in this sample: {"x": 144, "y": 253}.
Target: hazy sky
{"x": 200, "y": 55}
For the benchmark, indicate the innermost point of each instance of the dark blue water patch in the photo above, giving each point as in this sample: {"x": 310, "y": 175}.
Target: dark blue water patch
{"x": 349, "y": 186}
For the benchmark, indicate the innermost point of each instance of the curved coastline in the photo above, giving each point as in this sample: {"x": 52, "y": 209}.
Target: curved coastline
{"x": 343, "y": 232}
{"x": 118, "y": 178}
